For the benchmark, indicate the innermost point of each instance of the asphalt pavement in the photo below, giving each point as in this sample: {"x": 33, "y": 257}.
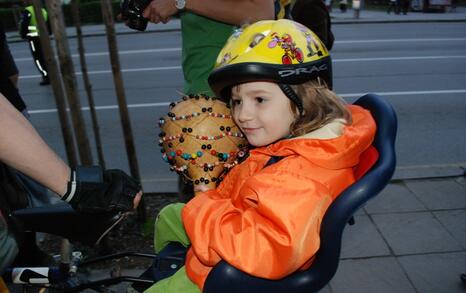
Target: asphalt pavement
{"x": 410, "y": 238}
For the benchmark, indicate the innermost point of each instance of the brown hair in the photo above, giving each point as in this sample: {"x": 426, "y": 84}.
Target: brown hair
{"x": 321, "y": 106}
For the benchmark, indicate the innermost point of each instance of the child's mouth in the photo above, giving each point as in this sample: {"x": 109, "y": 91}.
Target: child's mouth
{"x": 249, "y": 130}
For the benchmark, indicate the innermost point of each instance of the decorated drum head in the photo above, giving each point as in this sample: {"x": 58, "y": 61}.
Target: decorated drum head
{"x": 200, "y": 139}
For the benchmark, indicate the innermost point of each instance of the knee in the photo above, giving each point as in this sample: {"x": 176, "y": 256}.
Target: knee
{"x": 170, "y": 211}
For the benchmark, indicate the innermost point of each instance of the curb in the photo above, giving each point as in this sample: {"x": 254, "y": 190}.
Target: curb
{"x": 428, "y": 172}
{"x": 16, "y": 39}
{"x": 396, "y": 21}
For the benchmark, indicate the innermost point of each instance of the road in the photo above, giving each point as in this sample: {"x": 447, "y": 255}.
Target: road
{"x": 419, "y": 67}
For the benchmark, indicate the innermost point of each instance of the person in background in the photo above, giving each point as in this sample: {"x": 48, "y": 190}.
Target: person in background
{"x": 405, "y": 4}
{"x": 393, "y": 5}
{"x": 29, "y": 31}
{"x": 282, "y": 9}
{"x": 7, "y": 65}
{"x": 343, "y": 6}
{"x": 453, "y": 5}
{"x": 9, "y": 74}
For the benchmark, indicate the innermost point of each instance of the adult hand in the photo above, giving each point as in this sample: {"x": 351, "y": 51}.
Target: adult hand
{"x": 92, "y": 191}
{"x": 160, "y": 11}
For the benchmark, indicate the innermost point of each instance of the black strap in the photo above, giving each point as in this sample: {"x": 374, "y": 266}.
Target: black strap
{"x": 291, "y": 94}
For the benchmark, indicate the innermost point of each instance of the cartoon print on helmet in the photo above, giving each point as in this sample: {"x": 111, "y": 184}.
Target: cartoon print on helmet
{"x": 236, "y": 33}
{"x": 289, "y": 47}
{"x": 257, "y": 38}
{"x": 310, "y": 40}
{"x": 226, "y": 58}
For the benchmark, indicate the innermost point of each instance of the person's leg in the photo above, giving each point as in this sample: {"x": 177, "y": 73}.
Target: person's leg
{"x": 169, "y": 227}
{"x": 40, "y": 56}
{"x": 36, "y": 51}
{"x": 179, "y": 282}
{"x": 405, "y": 6}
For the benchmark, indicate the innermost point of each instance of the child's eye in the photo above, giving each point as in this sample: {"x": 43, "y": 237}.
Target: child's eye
{"x": 260, "y": 100}
{"x": 235, "y": 102}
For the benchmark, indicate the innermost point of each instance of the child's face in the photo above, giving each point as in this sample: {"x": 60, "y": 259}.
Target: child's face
{"x": 262, "y": 111}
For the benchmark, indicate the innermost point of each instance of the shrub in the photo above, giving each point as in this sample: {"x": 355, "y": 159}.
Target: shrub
{"x": 90, "y": 13}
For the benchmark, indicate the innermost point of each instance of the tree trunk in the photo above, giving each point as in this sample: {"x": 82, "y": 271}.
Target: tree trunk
{"x": 87, "y": 83}
{"x": 57, "y": 87}
{"x": 69, "y": 79}
{"x": 120, "y": 91}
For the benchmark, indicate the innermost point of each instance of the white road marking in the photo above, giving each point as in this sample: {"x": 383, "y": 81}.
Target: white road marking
{"x": 109, "y": 71}
{"x": 401, "y": 40}
{"x": 108, "y": 107}
{"x": 398, "y": 58}
{"x": 349, "y": 95}
{"x": 121, "y": 52}
{"x": 178, "y": 49}
{"x": 404, "y": 58}
{"x": 407, "y": 93}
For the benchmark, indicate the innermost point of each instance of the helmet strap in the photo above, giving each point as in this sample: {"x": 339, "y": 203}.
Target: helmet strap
{"x": 291, "y": 94}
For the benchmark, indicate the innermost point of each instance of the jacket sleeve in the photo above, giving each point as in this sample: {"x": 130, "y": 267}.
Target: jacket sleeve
{"x": 272, "y": 231}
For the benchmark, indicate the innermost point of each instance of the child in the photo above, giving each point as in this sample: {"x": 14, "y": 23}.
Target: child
{"x": 264, "y": 218}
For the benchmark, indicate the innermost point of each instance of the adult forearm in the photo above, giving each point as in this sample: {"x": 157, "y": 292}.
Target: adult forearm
{"x": 236, "y": 12}
{"x": 22, "y": 148}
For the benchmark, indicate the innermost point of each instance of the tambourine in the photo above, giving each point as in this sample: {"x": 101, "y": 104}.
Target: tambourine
{"x": 200, "y": 139}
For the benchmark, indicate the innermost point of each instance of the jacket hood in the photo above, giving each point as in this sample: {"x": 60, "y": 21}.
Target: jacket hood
{"x": 340, "y": 151}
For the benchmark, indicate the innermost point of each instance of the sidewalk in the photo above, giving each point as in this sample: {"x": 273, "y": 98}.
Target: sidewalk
{"x": 410, "y": 238}
{"x": 381, "y": 16}
{"x": 365, "y": 16}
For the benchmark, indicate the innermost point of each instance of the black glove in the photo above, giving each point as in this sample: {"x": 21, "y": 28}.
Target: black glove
{"x": 92, "y": 191}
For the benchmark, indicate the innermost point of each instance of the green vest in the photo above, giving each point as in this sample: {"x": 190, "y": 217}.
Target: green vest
{"x": 33, "y": 31}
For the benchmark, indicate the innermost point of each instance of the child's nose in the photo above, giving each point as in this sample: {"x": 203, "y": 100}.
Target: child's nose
{"x": 244, "y": 114}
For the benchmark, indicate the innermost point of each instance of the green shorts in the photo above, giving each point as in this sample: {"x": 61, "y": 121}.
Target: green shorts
{"x": 169, "y": 228}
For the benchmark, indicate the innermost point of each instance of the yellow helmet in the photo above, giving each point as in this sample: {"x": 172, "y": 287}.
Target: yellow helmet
{"x": 281, "y": 51}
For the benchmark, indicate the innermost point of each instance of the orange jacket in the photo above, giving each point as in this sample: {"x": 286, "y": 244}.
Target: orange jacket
{"x": 266, "y": 221}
